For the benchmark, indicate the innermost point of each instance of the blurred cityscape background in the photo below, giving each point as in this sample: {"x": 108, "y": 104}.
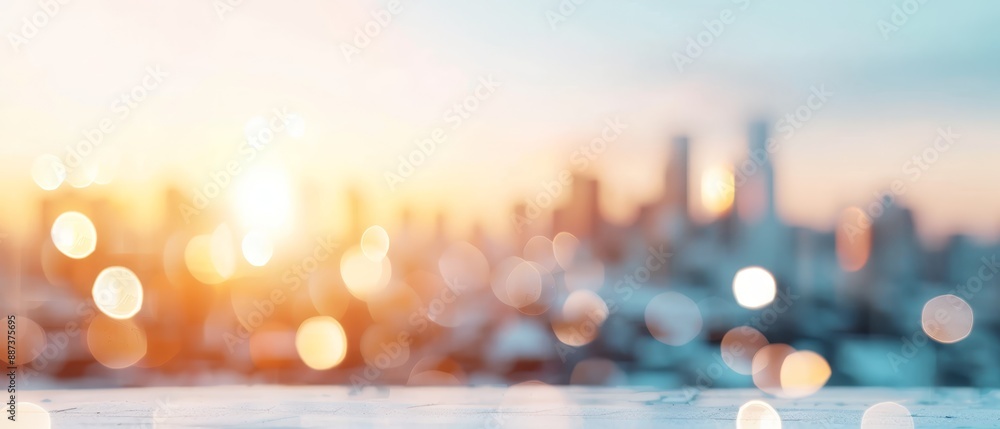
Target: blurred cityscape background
{"x": 570, "y": 210}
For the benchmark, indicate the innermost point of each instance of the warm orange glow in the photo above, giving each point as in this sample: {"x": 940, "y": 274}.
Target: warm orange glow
{"x": 199, "y": 261}
{"x": 854, "y": 239}
{"x": 375, "y": 243}
{"x": 328, "y": 294}
{"x": 766, "y": 367}
{"x": 363, "y": 276}
{"x": 803, "y": 373}
{"x": 321, "y": 342}
{"x": 271, "y": 345}
{"x": 717, "y": 190}
{"x": 116, "y": 343}
{"x": 223, "y": 251}
{"x": 383, "y": 348}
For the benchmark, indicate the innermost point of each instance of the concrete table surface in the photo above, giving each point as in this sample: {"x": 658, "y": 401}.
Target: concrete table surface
{"x": 478, "y": 407}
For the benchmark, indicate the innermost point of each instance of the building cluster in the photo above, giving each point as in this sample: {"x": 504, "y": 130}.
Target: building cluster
{"x": 503, "y": 309}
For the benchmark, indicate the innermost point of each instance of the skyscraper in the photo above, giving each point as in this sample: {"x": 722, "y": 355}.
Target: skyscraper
{"x": 754, "y": 178}
{"x": 677, "y": 174}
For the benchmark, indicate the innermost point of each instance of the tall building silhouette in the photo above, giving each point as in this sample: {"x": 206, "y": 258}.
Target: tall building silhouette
{"x": 677, "y": 173}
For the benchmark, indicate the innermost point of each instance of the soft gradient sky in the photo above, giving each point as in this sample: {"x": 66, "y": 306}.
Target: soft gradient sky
{"x": 609, "y": 58}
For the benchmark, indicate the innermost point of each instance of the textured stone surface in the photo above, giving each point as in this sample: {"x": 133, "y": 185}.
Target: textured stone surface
{"x": 477, "y": 407}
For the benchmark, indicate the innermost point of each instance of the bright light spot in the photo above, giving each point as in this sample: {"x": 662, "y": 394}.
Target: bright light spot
{"x": 321, "y": 342}
{"x": 264, "y": 199}
{"x": 583, "y": 313}
{"x": 29, "y": 416}
{"x": 754, "y": 287}
{"x": 564, "y": 247}
{"x": 739, "y": 346}
{"x": 48, "y": 172}
{"x": 803, "y": 373}
{"x": 296, "y": 125}
{"x": 117, "y": 292}
{"x": 757, "y": 415}
{"x": 947, "y": 319}
{"x": 257, "y": 248}
{"x": 223, "y": 252}
{"x": 887, "y": 415}
{"x": 74, "y": 235}
{"x": 853, "y": 239}
{"x": 717, "y": 190}
{"x": 116, "y": 343}
{"x": 362, "y": 276}
{"x": 673, "y": 318}
{"x": 539, "y": 249}
{"x": 375, "y": 243}
{"x": 198, "y": 258}
{"x": 766, "y": 367}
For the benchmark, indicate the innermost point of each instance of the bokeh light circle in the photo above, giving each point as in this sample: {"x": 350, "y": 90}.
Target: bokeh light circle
{"x": 375, "y": 243}
{"x": 887, "y": 415}
{"x": 363, "y": 276}
{"x": 74, "y": 235}
{"x": 581, "y": 318}
{"x": 947, "y": 319}
{"x": 321, "y": 342}
{"x": 48, "y": 172}
{"x": 803, "y": 373}
{"x": 673, "y": 318}
{"x": 754, "y": 287}
{"x": 757, "y": 415}
{"x": 738, "y": 347}
{"x": 116, "y": 343}
{"x": 117, "y": 292}
{"x": 29, "y": 416}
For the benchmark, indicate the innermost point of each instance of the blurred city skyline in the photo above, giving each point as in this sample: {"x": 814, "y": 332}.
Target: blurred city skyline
{"x": 561, "y": 80}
